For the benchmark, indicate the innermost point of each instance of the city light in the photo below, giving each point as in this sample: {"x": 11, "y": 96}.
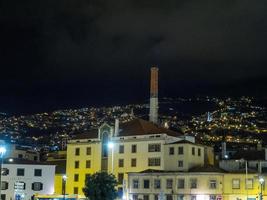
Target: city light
{"x": 110, "y": 145}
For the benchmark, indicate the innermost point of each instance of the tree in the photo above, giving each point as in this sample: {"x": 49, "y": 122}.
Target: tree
{"x": 100, "y": 186}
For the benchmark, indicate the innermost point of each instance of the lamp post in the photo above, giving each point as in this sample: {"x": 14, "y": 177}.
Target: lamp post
{"x": 2, "y": 152}
{"x": 64, "y": 179}
{"x": 261, "y": 180}
{"x": 111, "y": 146}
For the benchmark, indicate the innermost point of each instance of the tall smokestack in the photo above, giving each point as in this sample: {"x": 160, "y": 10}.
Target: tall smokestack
{"x": 153, "y": 113}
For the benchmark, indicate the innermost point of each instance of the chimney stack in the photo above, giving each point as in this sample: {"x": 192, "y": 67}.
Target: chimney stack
{"x": 153, "y": 113}
{"x": 117, "y": 127}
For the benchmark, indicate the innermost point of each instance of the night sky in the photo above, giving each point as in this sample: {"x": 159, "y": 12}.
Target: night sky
{"x": 74, "y": 53}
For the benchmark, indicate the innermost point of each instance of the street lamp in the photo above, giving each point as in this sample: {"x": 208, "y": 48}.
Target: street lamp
{"x": 64, "y": 179}
{"x": 111, "y": 146}
{"x": 2, "y": 152}
{"x": 261, "y": 180}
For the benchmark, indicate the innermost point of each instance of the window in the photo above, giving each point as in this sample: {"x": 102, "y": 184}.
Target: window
{"x": 120, "y": 178}
{"x": 146, "y": 184}
{"x": 37, "y": 172}
{"x": 169, "y": 197}
{"x": 88, "y": 164}
{"x": 77, "y": 151}
{"x": 153, "y": 162}
{"x": 154, "y": 148}
{"x": 146, "y": 197}
{"x": 180, "y": 184}
{"x": 169, "y": 183}
{"x": 135, "y": 184}
{"x": 249, "y": 183}
{"x": 135, "y": 197}
{"x": 212, "y": 197}
{"x": 20, "y": 172}
{"x": 193, "y": 151}
{"x": 37, "y": 186}
{"x": 180, "y": 197}
{"x": 134, "y": 148}
{"x": 5, "y": 171}
{"x": 19, "y": 185}
{"x": 35, "y": 158}
{"x": 199, "y": 152}
{"x": 213, "y": 184}
{"x": 193, "y": 197}
{"x": 75, "y": 190}
{"x": 86, "y": 176}
{"x": 76, "y": 164}
{"x": 157, "y": 184}
{"x": 88, "y": 151}
{"x": 4, "y": 185}
{"x": 193, "y": 183}
{"x": 171, "y": 151}
{"x": 121, "y": 162}
{"x": 76, "y": 177}
{"x": 236, "y": 184}
{"x": 180, "y": 150}
{"x": 180, "y": 163}
{"x": 156, "y": 197}
{"x": 133, "y": 162}
{"x": 121, "y": 149}
{"x": 20, "y": 156}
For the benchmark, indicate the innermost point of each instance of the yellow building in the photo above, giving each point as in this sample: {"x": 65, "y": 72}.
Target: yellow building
{"x": 204, "y": 183}
{"x": 136, "y": 146}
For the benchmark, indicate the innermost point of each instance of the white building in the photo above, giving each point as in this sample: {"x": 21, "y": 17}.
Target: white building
{"x": 21, "y": 179}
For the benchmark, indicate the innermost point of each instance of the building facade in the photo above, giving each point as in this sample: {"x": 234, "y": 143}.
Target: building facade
{"x": 21, "y": 179}
{"x": 136, "y": 146}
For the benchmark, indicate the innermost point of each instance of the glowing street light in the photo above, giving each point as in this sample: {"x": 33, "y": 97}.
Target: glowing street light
{"x": 111, "y": 146}
{"x": 261, "y": 180}
{"x": 64, "y": 178}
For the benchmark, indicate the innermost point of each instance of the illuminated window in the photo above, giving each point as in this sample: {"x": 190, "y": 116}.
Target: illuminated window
{"x": 249, "y": 183}
{"x": 236, "y": 183}
{"x": 213, "y": 184}
{"x": 154, "y": 147}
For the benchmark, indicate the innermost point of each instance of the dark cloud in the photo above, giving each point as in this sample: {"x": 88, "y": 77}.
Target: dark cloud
{"x": 97, "y": 42}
